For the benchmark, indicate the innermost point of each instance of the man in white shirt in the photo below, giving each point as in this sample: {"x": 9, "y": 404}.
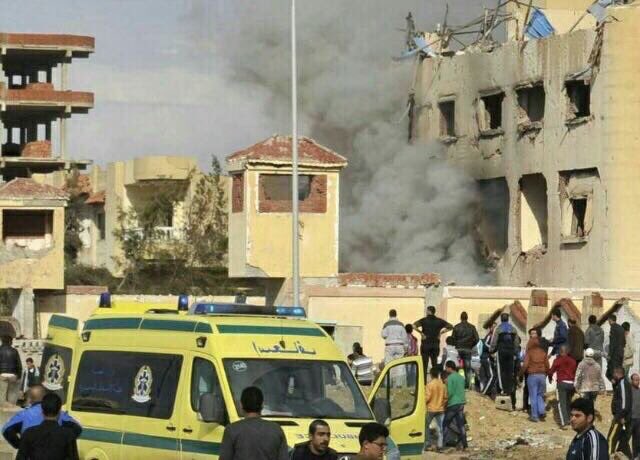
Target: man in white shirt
{"x": 396, "y": 341}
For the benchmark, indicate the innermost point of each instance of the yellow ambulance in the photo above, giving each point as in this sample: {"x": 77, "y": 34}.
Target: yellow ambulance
{"x": 164, "y": 386}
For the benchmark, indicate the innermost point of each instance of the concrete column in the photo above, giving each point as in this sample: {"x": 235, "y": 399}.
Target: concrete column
{"x": 64, "y": 75}
{"x": 538, "y": 307}
{"x": 32, "y": 132}
{"x": 23, "y": 309}
{"x": 63, "y": 136}
{"x": 592, "y": 304}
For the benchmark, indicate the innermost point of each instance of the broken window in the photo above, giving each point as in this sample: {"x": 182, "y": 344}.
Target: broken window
{"x": 579, "y": 99}
{"x": 27, "y": 229}
{"x": 533, "y": 212}
{"x": 26, "y": 224}
{"x": 490, "y": 113}
{"x": 101, "y": 224}
{"x": 275, "y": 193}
{"x": 447, "y": 118}
{"x": 237, "y": 192}
{"x": 579, "y": 207}
{"x": 576, "y": 202}
{"x": 531, "y": 102}
{"x": 493, "y": 222}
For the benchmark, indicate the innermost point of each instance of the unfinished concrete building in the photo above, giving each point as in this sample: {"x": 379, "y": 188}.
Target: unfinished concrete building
{"x": 549, "y": 129}
{"x": 35, "y": 104}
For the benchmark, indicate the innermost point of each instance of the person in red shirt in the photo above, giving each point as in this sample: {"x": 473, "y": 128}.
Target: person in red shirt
{"x": 564, "y": 368}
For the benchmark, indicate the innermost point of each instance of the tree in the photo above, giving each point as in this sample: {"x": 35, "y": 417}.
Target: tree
{"x": 72, "y": 218}
{"x": 138, "y": 234}
{"x": 205, "y": 232}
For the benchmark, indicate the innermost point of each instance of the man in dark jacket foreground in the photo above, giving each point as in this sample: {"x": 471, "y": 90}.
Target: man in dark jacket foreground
{"x": 49, "y": 440}
{"x": 589, "y": 443}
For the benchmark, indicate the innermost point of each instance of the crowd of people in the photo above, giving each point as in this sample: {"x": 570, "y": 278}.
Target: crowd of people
{"x": 497, "y": 364}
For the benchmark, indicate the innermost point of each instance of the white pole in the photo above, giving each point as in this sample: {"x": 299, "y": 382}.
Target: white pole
{"x": 295, "y": 252}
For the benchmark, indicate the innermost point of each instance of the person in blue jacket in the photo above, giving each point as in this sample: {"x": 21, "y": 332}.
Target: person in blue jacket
{"x": 33, "y": 416}
{"x": 560, "y": 333}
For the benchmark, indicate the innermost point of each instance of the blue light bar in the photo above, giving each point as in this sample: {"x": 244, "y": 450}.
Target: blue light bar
{"x": 205, "y": 308}
{"x": 183, "y": 302}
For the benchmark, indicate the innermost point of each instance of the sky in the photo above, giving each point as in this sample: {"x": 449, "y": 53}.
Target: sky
{"x": 159, "y": 82}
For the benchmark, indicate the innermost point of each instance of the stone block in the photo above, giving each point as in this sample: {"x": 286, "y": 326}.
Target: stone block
{"x": 504, "y": 403}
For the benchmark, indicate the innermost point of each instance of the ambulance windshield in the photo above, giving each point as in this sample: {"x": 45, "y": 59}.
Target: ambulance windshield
{"x": 299, "y": 388}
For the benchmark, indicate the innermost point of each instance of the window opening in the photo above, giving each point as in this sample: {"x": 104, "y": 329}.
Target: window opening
{"x": 447, "y": 118}
{"x": 578, "y": 93}
{"x": 531, "y": 102}
{"x": 579, "y": 206}
{"x": 101, "y": 224}
{"x": 533, "y": 211}
{"x": 491, "y": 112}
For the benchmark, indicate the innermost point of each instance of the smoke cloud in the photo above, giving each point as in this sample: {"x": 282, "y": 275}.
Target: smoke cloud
{"x": 404, "y": 209}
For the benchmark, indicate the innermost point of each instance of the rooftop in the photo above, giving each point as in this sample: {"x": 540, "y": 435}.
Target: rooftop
{"x": 277, "y": 149}
{"x": 79, "y": 43}
{"x": 22, "y": 188}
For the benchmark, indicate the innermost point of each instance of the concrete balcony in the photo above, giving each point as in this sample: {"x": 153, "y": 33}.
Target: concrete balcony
{"x": 44, "y": 96}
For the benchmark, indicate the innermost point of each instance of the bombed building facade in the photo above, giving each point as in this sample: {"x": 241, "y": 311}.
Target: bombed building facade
{"x": 549, "y": 130}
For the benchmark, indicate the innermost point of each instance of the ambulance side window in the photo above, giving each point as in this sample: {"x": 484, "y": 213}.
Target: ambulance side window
{"x": 203, "y": 380}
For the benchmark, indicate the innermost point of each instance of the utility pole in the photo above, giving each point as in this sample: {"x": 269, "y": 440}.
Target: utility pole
{"x": 295, "y": 250}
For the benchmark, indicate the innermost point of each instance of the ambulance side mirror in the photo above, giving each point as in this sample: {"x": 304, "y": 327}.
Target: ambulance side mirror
{"x": 211, "y": 408}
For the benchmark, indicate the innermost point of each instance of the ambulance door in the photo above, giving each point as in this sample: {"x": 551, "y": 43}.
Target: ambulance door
{"x": 203, "y": 413}
{"x": 151, "y": 423}
{"x": 57, "y": 357}
{"x": 398, "y": 401}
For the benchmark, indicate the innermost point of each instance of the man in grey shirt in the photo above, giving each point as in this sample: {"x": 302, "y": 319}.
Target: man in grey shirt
{"x": 594, "y": 338}
{"x": 253, "y": 438}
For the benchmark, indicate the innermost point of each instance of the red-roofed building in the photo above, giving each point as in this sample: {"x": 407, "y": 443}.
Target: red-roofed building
{"x": 260, "y": 225}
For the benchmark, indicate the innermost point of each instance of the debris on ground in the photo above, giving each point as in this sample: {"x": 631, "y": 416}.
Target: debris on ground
{"x": 497, "y": 434}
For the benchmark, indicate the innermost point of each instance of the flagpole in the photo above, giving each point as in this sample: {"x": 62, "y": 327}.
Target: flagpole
{"x": 295, "y": 250}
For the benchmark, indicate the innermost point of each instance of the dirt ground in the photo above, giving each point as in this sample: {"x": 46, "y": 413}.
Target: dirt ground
{"x": 498, "y": 434}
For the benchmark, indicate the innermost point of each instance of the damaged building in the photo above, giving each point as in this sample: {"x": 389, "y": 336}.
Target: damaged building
{"x": 549, "y": 129}
{"x": 35, "y": 106}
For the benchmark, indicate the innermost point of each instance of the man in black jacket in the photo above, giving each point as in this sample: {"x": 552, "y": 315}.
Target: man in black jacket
{"x": 616, "y": 345}
{"x": 618, "y": 437}
{"x": 10, "y": 371}
{"x": 430, "y": 328}
{"x": 465, "y": 338}
{"x": 49, "y": 440}
{"x": 317, "y": 447}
